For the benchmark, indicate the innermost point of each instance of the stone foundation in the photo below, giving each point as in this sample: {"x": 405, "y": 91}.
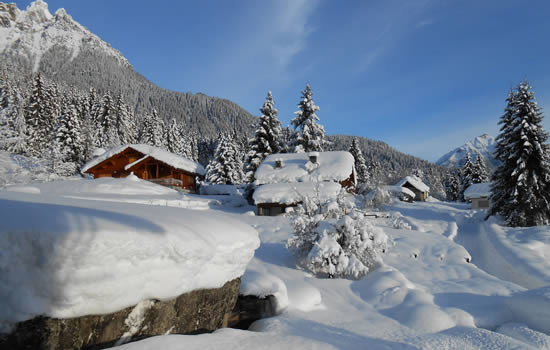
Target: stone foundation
{"x": 199, "y": 311}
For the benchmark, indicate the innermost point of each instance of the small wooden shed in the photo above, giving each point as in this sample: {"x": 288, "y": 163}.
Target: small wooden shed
{"x": 478, "y": 195}
{"x": 148, "y": 163}
{"x": 421, "y": 190}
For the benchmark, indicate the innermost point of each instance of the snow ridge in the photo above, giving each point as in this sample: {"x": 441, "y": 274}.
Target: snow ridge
{"x": 484, "y": 144}
{"x": 34, "y": 31}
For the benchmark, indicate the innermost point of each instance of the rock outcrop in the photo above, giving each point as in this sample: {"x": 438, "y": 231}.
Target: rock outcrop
{"x": 199, "y": 311}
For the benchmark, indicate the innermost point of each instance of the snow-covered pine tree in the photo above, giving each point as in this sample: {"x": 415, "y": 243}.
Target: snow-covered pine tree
{"x": 480, "y": 173}
{"x": 187, "y": 143}
{"x": 152, "y": 131}
{"x": 521, "y": 184}
{"x": 125, "y": 122}
{"x": 223, "y": 168}
{"x": 267, "y": 138}
{"x": 39, "y": 119}
{"x": 174, "y": 141}
{"x": 106, "y": 119}
{"x": 311, "y": 136}
{"x": 68, "y": 135}
{"x": 363, "y": 176}
{"x": 466, "y": 176}
{"x": 452, "y": 185}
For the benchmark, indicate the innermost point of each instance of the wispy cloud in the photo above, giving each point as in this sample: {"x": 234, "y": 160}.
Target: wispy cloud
{"x": 386, "y": 23}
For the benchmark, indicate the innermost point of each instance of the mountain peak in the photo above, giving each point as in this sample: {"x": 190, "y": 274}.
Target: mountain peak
{"x": 483, "y": 144}
{"x": 38, "y": 12}
{"x": 35, "y": 32}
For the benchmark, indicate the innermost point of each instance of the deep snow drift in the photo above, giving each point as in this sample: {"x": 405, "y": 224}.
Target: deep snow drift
{"x": 449, "y": 281}
{"x": 67, "y": 257}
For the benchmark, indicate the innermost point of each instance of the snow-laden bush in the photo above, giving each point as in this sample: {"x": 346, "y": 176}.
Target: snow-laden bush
{"x": 398, "y": 221}
{"x": 331, "y": 239}
{"x": 378, "y": 198}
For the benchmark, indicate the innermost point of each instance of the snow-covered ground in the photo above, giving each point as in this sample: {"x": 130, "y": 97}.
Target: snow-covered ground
{"x": 451, "y": 281}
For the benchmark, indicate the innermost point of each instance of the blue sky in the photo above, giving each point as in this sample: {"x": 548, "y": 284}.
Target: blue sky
{"x": 423, "y": 76}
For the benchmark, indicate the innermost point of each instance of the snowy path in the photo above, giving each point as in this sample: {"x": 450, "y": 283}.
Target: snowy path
{"x": 487, "y": 242}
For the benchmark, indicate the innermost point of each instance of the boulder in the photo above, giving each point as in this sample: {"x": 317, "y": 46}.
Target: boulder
{"x": 199, "y": 311}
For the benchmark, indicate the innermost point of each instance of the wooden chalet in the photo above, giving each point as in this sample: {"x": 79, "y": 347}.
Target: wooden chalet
{"x": 148, "y": 163}
{"x": 284, "y": 179}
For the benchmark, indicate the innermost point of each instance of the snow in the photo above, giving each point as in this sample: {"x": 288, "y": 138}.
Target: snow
{"x": 450, "y": 281}
{"x": 292, "y": 193}
{"x": 478, "y": 190}
{"x": 34, "y": 31}
{"x": 19, "y": 169}
{"x": 415, "y": 182}
{"x": 149, "y": 151}
{"x": 78, "y": 256}
{"x": 331, "y": 166}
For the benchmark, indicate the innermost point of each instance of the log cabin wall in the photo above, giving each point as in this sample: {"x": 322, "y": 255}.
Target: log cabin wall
{"x": 148, "y": 169}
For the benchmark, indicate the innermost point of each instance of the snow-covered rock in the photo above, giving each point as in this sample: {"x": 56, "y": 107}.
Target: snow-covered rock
{"x": 75, "y": 257}
{"x": 483, "y": 144}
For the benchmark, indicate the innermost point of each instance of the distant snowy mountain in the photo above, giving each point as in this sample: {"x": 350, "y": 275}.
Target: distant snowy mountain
{"x": 62, "y": 50}
{"x": 33, "y": 32}
{"x": 483, "y": 144}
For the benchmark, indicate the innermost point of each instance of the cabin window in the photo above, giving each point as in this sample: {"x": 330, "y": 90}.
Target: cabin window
{"x": 272, "y": 211}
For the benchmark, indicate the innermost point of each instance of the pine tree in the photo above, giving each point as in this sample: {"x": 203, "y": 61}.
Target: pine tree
{"x": 521, "y": 184}
{"x": 68, "y": 135}
{"x": 39, "y": 118}
{"x": 223, "y": 168}
{"x": 363, "y": 176}
{"x": 311, "y": 136}
{"x": 480, "y": 172}
{"x": 125, "y": 122}
{"x": 172, "y": 135}
{"x": 267, "y": 139}
{"x": 152, "y": 132}
{"x": 452, "y": 185}
{"x": 466, "y": 175}
{"x": 106, "y": 119}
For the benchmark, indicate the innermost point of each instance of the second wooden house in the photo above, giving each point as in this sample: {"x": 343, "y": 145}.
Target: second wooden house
{"x": 285, "y": 179}
{"x": 148, "y": 163}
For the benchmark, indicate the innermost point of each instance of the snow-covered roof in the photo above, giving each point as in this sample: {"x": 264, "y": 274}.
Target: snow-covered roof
{"x": 478, "y": 190}
{"x": 399, "y": 189}
{"x": 296, "y": 167}
{"x": 171, "y": 159}
{"x": 292, "y": 193}
{"x": 415, "y": 182}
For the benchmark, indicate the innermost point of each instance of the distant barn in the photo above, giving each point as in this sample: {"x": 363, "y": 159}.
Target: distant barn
{"x": 285, "y": 179}
{"x": 413, "y": 183}
{"x": 478, "y": 195}
{"x": 148, "y": 163}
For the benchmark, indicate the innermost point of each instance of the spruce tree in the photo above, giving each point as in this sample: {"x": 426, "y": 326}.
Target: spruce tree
{"x": 39, "y": 119}
{"x": 106, "y": 119}
{"x": 466, "y": 175}
{"x": 311, "y": 136}
{"x": 480, "y": 172}
{"x": 125, "y": 122}
{"x": 267, "y": 138}
{"x": 363, "y": 176}
{"x": 521, "y": 183}
{"x": 152, "y": 132}
{"x": 174, "y": 142}
{"x": 452, "y": 185}
{"x": 223, "y": 168}
{"x": 68, "y": 137}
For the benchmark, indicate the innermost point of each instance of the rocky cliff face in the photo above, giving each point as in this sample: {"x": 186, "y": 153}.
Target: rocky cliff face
{"x": 34, "y": 40}
{"x": 191, "y": 313}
